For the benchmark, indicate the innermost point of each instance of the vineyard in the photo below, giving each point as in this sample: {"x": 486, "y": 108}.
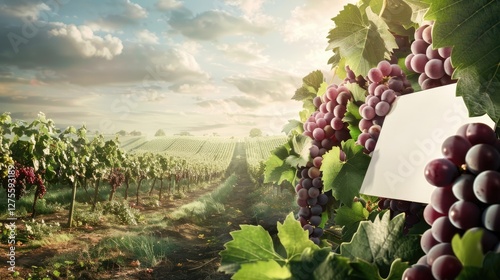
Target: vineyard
{"x": 67, "y": 184}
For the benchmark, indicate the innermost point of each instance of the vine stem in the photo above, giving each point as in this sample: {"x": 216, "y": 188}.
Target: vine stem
{"x": 384, "y": 5}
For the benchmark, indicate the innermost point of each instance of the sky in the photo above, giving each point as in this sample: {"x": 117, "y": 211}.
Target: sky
{"x": 205, "y": 67}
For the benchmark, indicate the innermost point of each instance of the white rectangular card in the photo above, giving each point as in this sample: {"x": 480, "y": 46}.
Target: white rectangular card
{"x": 411, "y": 136}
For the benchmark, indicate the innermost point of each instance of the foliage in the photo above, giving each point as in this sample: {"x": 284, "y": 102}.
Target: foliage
{"x": 122, "y": 212}
{"x": 372, "y": 246}
{"x": 460, "y": 24}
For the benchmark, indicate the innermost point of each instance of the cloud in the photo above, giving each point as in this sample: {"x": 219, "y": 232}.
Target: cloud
{"x": 27, "y": 10}
{"x": 265, "y": 83}
{"x": 147, "y": 37}
{"x": 245, "y": 101}
{"x": 131, "y": 14}
{"x": 167, "y": 5}
{"x": 88, "y": 44}
{"x": 211, "y": 25}
{"x": 246, "y": 52}
{"x": 248, "y": 7}
{"x": 311, "y": 19}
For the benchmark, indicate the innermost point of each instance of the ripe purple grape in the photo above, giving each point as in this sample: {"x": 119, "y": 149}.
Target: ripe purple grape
{"x": 440, "y": 172}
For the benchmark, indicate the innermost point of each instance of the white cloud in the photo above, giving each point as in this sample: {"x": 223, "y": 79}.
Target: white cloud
{"x": 23, "y": 10}
{"x": 88, "y": 44}
{"x": 211, "y": 25}
{"x": 311, "y": 19}
{"x": 166, "y": 5}
{"x": 248, "y": 7}
{"x": 147, "y": 37}
{"x": 245, "y": 52}
{"x": 130, "y": 14}
{"x": 134, "y": 10}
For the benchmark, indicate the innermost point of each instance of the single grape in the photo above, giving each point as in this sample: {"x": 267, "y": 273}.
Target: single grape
{"x": 441, "y": 249}
{"x": 464, "y": 214}
{"x": 482, "y": 157}
{"x": 430, "y": 214}
{"x": 480, "y": 133}
{"x": 446, "y": 267}
{"x": 440, "y": 172}
{"x": 315, "y": 220}
{"x": 443, "y": 230}
{"x": 455, "y": 148}
{"x": 427, "y": 241}
{"x": 491, "y": 218}
{"x": 463, "y": 188}
{"x": 487, "y": 187}
{"x": 313, "y": 192}
{"x": 442, "y": 199}
{"x": 418, "y": 272}
{"x": 434, "y": 69}
{"x": 375, "y": 75}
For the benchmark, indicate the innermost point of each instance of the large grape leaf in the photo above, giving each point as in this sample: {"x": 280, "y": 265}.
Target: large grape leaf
{"x": 300, "y": 153}
{"x": 489, "y": 269}
{"x": 366, "y": 271}
{"x": 473, "y": 29}
{"x": 344, "y": 178}
{"x": 276, "y": 169}
{"x": 293, "y": 127}
{"x": 419, "y": 8}
{"x": 262, "y": 270}
{"x": 361, "y": 38}
{"x": 381, "y": 242}
{"x": 252, "y": 248}
{"x": 468, "y": 248}
{"x": 294, "y": 238}
{"x": 250, "y": 244}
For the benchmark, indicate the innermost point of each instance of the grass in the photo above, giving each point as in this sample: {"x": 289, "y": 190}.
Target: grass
{"x": 208, "y": 204}
{"x": 147, "y": 249}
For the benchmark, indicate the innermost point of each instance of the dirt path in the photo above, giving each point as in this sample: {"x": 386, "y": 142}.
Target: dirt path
{"x": 198, "y": 257}
{"x": 197, "y": 245}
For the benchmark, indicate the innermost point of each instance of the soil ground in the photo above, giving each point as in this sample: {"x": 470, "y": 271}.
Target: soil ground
{"x": 197, "y": 245}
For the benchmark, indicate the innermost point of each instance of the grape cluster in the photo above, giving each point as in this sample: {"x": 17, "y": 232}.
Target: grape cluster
{"x": 26, "y": 177}
{"x": 116, "y": 178}
{"x": 386, "y": 82}
{"x": 466, "y": 198}
{"x": 353, "y": 79}
{"x": 433, "y": 65}
{"x": 326, "y": 129}
{"x": 413, "y": 210}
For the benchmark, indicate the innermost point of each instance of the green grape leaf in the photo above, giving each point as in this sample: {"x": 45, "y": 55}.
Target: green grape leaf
{"x": 358, "y": 92}
{"x": 468, "y": 248}
{"x": 349, "y": 215}
{"x": 349, "y": 218}
{"x": 250, "y": 244}
{"x": 344, "y": 178}
{"x": 352, "y": 118}
{"x": 489, "y": 269}
{"x": 472, "y": 28}
{"x": 300, "y": 154}
{"x": 276, "y": 169}
{"x": 322, "y": 89}
{"x": 355, "y": 35}
{"x": 363, "y": 270}
{"x": 303, "y": 93}
{"x": 381, "y": 242}
{"x": 314, "y": 79}
{"x": 335, "y": 267}
{"x": 294, "y": 238}
{"x": 397, "y": 14}
{"x": 419, "y": 8}
{"x": 309, "y": 260}
{"x": 293, "y": 126}
{"x": 265, "y": 270}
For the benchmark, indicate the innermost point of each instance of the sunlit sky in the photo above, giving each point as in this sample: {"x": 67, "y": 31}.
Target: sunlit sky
{"x": 201, "y": 66}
